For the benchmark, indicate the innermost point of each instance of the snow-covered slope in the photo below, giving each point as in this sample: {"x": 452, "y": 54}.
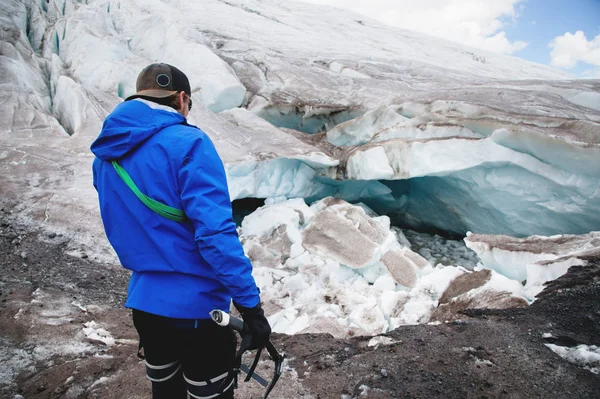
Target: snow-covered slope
{"x": 433, "y": 133}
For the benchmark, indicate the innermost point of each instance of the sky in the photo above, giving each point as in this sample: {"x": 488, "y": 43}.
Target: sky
{"x": 562, "y": 33}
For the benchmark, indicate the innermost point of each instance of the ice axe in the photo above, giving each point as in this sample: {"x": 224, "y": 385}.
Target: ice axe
{"x": 226, "y": 320}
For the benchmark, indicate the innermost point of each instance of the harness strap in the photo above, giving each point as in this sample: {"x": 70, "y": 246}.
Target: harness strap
{"x": 158, "y": 207}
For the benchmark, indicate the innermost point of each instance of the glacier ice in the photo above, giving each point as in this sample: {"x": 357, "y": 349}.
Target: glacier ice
{"x": 534, "y": 260}
{"x": 344, "y": 266}
{"x": 386, "y": 122}
{"x": 587, "y": 356}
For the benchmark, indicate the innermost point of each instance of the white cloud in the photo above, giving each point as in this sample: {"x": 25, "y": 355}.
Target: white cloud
{"x": 569, "y": 49}
{"x": 476, "y": 23}
{"x": 591, "y": 74}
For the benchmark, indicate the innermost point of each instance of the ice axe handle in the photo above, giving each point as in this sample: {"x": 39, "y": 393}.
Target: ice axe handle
{"x": 226, "y": 320}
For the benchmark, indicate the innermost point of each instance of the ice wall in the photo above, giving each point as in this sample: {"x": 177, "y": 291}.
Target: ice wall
{"x": 459, "y": 167}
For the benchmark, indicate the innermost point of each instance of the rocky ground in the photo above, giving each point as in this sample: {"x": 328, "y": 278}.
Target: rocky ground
{"x": 65, "y": 334}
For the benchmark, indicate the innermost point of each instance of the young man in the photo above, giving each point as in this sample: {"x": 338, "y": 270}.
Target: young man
{"x": 166, "y": 211}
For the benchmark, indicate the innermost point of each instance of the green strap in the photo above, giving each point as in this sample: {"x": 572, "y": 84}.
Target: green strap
{"x": 160, "y": 208}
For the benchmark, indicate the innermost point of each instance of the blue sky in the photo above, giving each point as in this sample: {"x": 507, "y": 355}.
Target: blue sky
{"x": 522, "y": 28}
{"x": 540, "y": 21}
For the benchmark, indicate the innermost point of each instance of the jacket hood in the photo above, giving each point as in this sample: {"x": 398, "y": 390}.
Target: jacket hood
{"x": 129, "y": 125}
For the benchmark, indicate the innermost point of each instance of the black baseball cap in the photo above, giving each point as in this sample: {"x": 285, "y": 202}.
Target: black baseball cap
{"x": 160, "y": 81}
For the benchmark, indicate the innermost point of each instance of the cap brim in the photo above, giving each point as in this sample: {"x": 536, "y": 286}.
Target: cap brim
{"x": 152, "y": 93}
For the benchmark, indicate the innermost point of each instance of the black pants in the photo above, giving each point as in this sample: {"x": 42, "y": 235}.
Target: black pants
{"x": 186, "y": 355}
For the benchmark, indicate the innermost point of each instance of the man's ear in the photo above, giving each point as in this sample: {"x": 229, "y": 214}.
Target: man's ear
{"x": 181, "y": 102}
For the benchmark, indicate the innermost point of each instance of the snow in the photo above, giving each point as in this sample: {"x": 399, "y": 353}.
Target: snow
{"x": 587, "y": 356}
{"x": 94, "y": 333}
{"x": 101, "y": 380}
{"x": 380, "y": 340}
{"x": 484, "y": 362}
{"x": 364, "y": 390}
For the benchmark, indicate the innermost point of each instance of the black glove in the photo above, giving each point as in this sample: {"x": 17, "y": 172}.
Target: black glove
{"x": 257, "y": 323}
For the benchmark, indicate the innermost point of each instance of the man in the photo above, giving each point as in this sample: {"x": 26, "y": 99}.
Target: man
{"x": 166, "y": 211}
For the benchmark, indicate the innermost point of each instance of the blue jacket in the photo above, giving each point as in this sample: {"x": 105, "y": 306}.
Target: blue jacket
{"x": 180, "y": 270}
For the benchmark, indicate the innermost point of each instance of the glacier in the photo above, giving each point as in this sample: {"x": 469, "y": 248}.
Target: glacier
{"x": 460, "y": 146}
{"x": 327, "y": 115}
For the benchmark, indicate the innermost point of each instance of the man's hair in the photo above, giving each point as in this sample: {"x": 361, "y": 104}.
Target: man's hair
{"x": 170, "y": 101}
